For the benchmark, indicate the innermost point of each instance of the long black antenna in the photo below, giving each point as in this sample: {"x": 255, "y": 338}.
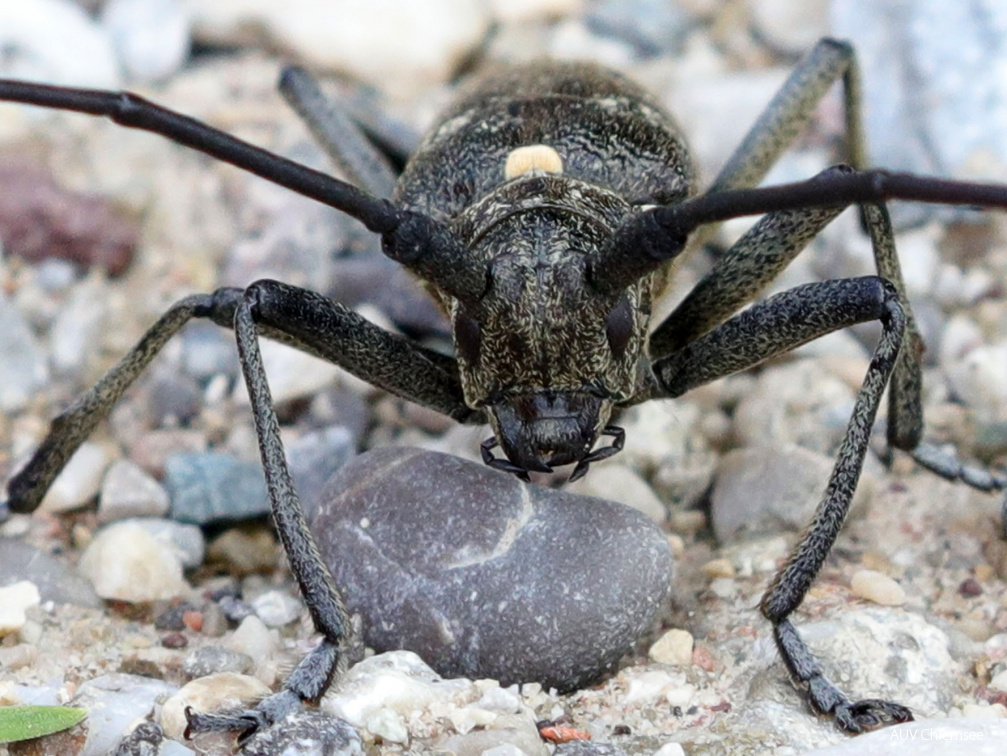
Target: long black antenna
{"x": 839, "y": 188}
{"x": 135, "y": 112}
{"x": 650, "y": 238}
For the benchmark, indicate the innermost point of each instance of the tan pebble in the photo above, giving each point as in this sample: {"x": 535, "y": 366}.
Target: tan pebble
{"x": 984, "y": 573}
{"x": 877, "y": 587}
{"x": 687, "y": 521}
{"x": 677, "y": 545}
{"x": 207, "y": 694}
{"x": 674, "y": 647}
{"x": 719, "y": 568}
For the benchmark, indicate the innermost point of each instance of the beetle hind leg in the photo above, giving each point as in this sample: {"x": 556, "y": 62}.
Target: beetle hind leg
{"x": 824, "y": 696}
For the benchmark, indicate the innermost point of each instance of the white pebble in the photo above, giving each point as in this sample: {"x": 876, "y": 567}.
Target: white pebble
{"x": 505, "y": 749}
{"x": 127, "y": 490}
{"x": 652, "y": 684}
{"x": 980, "y": 379}
{"x": 388, "y": 725}
{"x": 277, "y": 608}
{"x": 14, "y": 600}
{"x": 79, "y": 324}
{"x": 674, "y": 647}
{"x": 126, "y": 563}
{"x": 877, "y": 587}
{"x": 397, "y": 680}
{"x": 789, "y": 26}
{"x": 995, "y": 646}
{"x": 670, "y": 749}
{"x": 985, "y": 710}
{"x": 253, "y": 638}
{"x": 56, "y": 41}
{"x": 397, "y": 45}
{"x": 150, "y": 36}
{"x": 292, "y": 373}
{"x": 79, "y": 481}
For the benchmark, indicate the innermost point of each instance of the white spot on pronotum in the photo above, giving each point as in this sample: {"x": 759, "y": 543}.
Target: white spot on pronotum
{"x": 533, "y": 157}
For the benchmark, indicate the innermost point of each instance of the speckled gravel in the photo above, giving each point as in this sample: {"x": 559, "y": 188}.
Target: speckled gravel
{"x": 712, "y": 684}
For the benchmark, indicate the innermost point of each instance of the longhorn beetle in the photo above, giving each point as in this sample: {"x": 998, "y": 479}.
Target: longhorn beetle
{"x": 544, "y": 210}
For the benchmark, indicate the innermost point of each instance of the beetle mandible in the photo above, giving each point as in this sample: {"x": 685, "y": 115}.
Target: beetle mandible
{"x": 545, "y": 209}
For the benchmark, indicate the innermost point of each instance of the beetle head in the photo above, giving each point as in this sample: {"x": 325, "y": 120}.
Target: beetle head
{"x": 543, "y": 352}
{"x": 537, "y": 431}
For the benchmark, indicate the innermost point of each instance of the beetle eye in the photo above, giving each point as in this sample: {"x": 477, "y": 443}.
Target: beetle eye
{"x": 468, "y": 337}
{"x": 619, "y": 326}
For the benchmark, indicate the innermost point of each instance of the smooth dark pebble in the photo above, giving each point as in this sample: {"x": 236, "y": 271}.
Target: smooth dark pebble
{"x": 485, "y": 576}
{"x": 970, "y": 587}
{"x": 172, "y": 618}
{"x": 209, "y": 487}
{"x": 175, "y": 640}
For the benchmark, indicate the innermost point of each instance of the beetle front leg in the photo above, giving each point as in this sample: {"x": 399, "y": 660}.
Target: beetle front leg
{"x": 312, "y": 676}
{"x": 778, "y": 325}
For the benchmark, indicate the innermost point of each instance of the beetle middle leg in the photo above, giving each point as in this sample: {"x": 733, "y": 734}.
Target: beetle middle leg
{"x": 313, "y": 324}
{"x": 773, "y": 327}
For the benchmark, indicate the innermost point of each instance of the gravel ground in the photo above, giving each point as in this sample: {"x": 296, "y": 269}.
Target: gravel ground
{"x": 910, "y": 605}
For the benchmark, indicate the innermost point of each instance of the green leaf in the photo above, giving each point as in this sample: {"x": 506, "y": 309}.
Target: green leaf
{"x": 24, "y": 722}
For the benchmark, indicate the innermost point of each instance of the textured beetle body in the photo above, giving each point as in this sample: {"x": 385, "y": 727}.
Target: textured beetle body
{"x": 592, "y": 149}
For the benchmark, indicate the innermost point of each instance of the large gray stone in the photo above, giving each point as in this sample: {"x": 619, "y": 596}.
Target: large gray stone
{"x": 485, "y": 576}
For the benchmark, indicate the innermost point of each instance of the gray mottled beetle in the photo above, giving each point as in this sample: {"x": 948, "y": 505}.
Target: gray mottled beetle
{"x": 544, "y": 211}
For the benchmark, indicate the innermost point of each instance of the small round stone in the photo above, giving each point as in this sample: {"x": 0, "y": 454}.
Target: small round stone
{"x": 207, "y": 695}
{"x": 210, "y": 660}
{"x": 277, "y": 608}
{"x": 126, "y": 563}
{"x": 208, "y": 487}
{"x": 14, "y": 600}
{"x": 674, "y": 647}
{"x": 128, "y": 491}
{"x": 485, "y": 576}
{"x": 79, "y": 481}
{"x": 877, "y": 587}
